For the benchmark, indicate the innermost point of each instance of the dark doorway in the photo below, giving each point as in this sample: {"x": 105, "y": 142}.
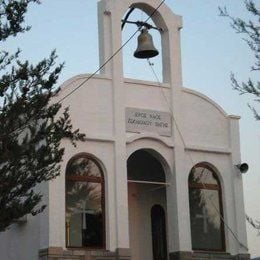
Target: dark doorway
{"x": 146, "y": 189}
{"x": 158, "y": 233}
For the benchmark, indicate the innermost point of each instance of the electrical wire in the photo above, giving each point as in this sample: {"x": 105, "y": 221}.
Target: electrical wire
{"x": 190, "y": 156}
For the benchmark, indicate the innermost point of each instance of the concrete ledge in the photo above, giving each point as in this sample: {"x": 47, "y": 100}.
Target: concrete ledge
{"x": 182, "y": 255}
{"x": 58, "y": 253}
{"x": 212, "y": 255}
{"x": 207, "y": 256}
{"x": 243, "y": 257}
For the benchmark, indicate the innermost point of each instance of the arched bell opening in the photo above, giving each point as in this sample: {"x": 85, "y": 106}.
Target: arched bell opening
{"x": 147, "y": 206}
{"x": 136, "y": 66}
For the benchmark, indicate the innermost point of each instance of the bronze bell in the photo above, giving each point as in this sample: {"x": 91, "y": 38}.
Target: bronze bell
{"x": 145, "y": 48}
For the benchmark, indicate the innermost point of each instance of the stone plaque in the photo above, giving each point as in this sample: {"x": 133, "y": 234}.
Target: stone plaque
{"x": 144, "y": 120}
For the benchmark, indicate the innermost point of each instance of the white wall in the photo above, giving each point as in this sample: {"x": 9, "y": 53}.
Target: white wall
{"x": 23, "y": 240}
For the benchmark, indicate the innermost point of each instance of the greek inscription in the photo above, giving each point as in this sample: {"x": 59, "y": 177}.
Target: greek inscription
{"x": 139, "y": 114}
{"x": 139, "y": 122}
{"x": 144, "y": 120}
{"x": 160, "y": 124}
{"x": 155, "y": 116}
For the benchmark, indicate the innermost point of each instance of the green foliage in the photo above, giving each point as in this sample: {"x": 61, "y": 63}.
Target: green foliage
{"x": 31, "y": 125}
{"x": 12, "y": 16}
{"x": 251, "y": 30}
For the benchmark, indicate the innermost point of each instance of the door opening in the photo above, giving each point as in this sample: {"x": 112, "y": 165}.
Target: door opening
{"x": 158, "y": 233}
{"x": 146, "y": 192}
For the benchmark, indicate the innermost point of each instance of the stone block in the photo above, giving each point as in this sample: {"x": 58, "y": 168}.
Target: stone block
{"x": 182, "y": 255}
{"x": 243, "y": 257}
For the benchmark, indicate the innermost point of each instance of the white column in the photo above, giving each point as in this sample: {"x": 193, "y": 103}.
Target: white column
{"x": 238, "y": 187}
{"x": 110, "y": 40}
{"x": 179, "y": 218}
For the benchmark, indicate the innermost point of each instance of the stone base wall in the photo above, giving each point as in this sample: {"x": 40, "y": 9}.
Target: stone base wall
{"x": 58, "y": 253}
{"x": 206, "y": 256}
{"x": 181, "y": 256}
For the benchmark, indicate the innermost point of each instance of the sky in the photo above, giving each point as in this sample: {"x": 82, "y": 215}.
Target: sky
{"x": 210, "y": 51}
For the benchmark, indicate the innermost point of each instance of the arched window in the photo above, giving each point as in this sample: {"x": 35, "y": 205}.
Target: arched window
{"x": 206, "y": 214}
{"x": 85, "y": 225}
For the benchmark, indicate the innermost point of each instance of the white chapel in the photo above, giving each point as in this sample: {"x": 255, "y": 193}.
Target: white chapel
{"x": 159, "y": 175}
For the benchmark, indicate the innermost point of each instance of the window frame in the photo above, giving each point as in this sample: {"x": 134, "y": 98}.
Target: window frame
{"x": 207, "y": 186}
{"x": 91, "y": 179}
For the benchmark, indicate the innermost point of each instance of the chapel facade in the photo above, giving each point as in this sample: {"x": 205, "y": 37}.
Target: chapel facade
{"x": 156, "y": 178}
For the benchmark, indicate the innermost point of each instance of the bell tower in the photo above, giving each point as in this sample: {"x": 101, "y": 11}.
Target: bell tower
{"x": 111, "y": 13}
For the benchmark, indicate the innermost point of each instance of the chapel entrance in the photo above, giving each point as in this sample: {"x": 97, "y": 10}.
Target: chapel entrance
{"x": 147, "y": 206}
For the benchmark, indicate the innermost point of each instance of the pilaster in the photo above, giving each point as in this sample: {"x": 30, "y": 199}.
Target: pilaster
{"x": 238, "y": 187}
